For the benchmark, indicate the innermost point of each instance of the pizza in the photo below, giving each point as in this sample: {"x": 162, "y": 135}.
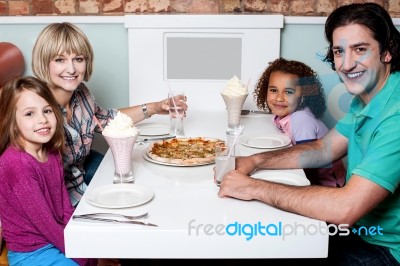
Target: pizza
{"x": 184, "y": 151}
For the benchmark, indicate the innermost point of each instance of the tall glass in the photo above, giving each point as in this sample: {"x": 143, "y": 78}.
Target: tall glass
{"x": 176, "y": 113}
{"x": 234, "y": 106}
{"x": 121, "y": 149}
{"x": 224, "y": 160}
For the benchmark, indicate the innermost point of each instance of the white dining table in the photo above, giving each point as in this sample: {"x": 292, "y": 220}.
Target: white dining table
{"x": 193, "y": 222}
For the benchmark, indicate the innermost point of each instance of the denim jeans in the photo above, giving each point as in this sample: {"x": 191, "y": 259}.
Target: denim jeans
{"x": 47, "y": 255}
{"x": 92, "y": 162}
{"x": 352, "y": 250}
{"x": 343, "y": 250}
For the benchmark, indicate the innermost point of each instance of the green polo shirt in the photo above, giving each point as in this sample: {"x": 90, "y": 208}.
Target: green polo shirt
{"x": 373, "y": 132}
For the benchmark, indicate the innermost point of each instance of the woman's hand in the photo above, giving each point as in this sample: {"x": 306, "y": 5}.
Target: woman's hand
{"x": 159, "y": 108}
{"x": 163, "y": 106}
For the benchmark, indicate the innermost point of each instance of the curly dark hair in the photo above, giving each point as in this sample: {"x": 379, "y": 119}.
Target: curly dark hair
{"x": 313, "y": 95}
{"x": 376, "y": 19}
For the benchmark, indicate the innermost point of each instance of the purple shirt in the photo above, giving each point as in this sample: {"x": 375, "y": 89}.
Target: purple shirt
{"x": 302, "y": 126}
{"x": 34, "y": 203}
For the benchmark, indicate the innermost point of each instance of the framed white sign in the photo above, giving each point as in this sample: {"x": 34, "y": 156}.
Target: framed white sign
{"x": 198, "y": 54}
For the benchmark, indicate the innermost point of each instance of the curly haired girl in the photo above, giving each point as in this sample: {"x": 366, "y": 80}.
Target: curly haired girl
{"x": 292, "y": 91}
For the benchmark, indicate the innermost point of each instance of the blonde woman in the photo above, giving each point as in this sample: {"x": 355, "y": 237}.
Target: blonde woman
{"x": 63, "y": 58}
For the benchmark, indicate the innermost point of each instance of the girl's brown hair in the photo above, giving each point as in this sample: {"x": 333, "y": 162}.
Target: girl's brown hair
{"x": 9, "y": 131}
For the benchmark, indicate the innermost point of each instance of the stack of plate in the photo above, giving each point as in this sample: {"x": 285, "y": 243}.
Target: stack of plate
{"x": 119, "y": 196}
{"x": 152, "y": 130}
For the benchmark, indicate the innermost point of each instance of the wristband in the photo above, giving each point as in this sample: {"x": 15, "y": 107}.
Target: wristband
{"x": 144, "y": 109}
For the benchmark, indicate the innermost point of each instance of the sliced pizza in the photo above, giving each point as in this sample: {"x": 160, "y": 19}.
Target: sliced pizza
{"x": 184, "y": 151}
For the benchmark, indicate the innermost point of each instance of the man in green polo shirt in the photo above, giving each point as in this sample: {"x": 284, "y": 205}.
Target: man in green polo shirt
{"x": 364, "y": 50}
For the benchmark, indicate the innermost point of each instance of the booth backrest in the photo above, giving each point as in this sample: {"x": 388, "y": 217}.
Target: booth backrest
{"x": 11, "y": 62}
{"x": 12, "y": 65}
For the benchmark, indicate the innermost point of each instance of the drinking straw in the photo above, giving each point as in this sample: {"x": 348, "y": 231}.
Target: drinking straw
{"x": 248, "y": 83}
{"x": 234, "y": 141}
{"x": 97, "y": 122}
{"x": 173, "y": 101}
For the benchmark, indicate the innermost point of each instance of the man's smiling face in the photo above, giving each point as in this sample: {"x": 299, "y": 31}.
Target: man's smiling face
{"x": 358, "y": 61}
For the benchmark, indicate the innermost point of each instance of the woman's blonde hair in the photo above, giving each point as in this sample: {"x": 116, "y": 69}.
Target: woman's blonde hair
{"x": 9, "y": 130}
{"x": 55, "y": 39}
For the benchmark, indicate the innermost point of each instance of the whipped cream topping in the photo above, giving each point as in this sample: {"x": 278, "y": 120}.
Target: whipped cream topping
{"x": 234, "y": 87}
{"x": 120, "y": 127}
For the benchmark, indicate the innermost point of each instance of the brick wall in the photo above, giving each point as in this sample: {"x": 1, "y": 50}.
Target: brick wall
{"x": 121, "y": 7}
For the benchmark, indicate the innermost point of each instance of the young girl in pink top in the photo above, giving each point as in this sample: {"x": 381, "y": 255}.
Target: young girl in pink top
{"x": 292, "y": 91}
{"x": 34, "y": 202}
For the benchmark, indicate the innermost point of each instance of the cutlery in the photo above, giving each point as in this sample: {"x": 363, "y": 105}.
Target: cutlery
{"x": 246, "y": 112}
{"x": 109, "y": 214}
{"x": 86, "y": 218}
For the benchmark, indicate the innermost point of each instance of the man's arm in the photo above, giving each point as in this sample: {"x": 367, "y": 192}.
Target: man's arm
{"x": 311, "y": 154}
{"x": 335, "y": 205}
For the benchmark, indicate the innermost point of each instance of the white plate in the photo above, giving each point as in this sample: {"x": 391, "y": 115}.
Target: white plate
{"x": 265, "y": 141}
{"x": 119, "y": 196}
{"x": 148, "y": 158}
{"x": 282, "y": 177}
{"x": 153, "y": 129}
